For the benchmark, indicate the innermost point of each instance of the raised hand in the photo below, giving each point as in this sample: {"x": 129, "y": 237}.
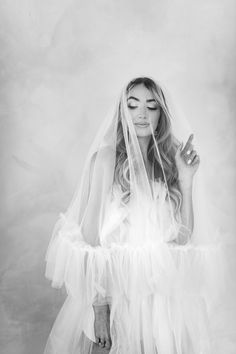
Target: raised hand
{"x": 187, "y": 161}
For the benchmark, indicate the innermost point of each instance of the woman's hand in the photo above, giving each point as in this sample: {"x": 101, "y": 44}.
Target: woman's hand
{"x": 187, "y": 162}
{"x": 102, "y": 326}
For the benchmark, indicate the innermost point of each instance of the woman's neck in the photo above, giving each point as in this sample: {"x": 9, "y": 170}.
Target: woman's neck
{"x": 143, "y": 143}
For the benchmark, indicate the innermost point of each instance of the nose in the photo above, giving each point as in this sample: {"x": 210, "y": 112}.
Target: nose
{"x": 142, "y": 113}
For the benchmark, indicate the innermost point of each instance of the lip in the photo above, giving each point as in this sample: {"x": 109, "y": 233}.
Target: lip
{"x": 142, "y": 124}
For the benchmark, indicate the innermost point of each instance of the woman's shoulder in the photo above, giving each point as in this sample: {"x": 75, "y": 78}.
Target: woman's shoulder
{"x": 104, "y": 155}
{"x": 103, "y": 160}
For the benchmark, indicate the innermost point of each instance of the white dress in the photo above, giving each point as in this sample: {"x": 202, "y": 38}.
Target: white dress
{"x": 160, "y": 294}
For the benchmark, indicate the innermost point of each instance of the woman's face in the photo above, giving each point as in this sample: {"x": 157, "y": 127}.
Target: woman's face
{"x": 144, "y": 110}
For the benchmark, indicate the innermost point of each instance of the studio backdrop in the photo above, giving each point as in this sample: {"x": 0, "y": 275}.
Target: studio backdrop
{"x": 63, "y": 64}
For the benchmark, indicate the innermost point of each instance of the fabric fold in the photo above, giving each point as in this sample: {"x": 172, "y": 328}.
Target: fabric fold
{"x": 96, "y": 274}
{"x": 160, "y": 289}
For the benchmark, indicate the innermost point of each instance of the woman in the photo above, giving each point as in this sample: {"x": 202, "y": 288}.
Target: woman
{"x": 145, "y": 110}
{"x": 127, "y": 247}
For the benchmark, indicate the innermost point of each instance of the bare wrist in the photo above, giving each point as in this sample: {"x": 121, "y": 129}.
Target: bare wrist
{"x": 100, "y": 308}
{"x": 185, "y": 184}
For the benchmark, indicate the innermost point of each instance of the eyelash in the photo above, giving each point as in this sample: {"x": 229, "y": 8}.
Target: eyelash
{"x": 152, "y": 109}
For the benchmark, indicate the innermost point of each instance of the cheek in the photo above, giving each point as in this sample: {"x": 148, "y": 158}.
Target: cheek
{"x": 132, "y": 114}
{"x": 155, "y": 116}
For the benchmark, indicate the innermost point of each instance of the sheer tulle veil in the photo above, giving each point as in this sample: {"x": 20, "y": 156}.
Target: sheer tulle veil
{"x": 86, "y": 210}
{"x": 76, "y": 257}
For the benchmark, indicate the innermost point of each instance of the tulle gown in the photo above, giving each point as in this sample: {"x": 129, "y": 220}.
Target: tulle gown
{"x": 160, "y": 294}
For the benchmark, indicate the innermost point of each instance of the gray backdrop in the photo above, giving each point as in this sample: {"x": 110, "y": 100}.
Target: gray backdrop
{"x": 62, "y": 65}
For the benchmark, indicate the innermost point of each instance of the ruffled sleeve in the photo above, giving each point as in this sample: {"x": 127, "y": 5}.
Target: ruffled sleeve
{"x": 72, "y": 262}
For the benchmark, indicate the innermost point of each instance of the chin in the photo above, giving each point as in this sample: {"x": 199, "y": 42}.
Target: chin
{"x": 143, "y": 134}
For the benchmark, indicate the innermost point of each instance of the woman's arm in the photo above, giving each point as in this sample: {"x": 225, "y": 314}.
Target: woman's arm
{"x": 187, "y": 162}
{"x": 186, "y": 211}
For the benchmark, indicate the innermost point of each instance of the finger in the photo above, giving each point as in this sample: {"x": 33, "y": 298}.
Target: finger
{"x": 187, "y": 150}
{"x": 108, "y": 343}
{"x": 180, "y": 146}
{"x": 190, "y": 139}
{"x": 196, "y": 160}
{"x": 192, "y": 155}
{"x": 188, "y": 161}
{"x": 102, "y": 342}
{"x": 189, "y": 158}
{"x": 188, "y": 144}
{"x": 188, "y": 153}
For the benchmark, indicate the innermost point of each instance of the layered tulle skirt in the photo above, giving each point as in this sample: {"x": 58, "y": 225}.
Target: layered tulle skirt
{"x": 161, "y": 295}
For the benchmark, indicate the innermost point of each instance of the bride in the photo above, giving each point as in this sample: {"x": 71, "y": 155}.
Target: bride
{"x": 129, "y": 248}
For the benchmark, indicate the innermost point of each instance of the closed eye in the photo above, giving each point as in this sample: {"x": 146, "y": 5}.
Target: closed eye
{"x": 150, "y": 108}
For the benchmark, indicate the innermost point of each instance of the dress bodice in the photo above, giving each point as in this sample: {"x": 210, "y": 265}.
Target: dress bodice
{"x": 137, "y": 223}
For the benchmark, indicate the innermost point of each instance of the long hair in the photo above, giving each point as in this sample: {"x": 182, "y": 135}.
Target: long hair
{"x": 167, "y": 145}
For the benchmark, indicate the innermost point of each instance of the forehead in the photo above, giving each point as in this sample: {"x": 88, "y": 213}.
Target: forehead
{"x": 140, "y": 91}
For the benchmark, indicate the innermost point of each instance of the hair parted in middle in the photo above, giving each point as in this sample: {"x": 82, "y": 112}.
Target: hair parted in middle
{"x": 167, "y": 145}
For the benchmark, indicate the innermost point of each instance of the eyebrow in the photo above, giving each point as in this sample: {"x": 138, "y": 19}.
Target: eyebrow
{"x": 136, "y": 99}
